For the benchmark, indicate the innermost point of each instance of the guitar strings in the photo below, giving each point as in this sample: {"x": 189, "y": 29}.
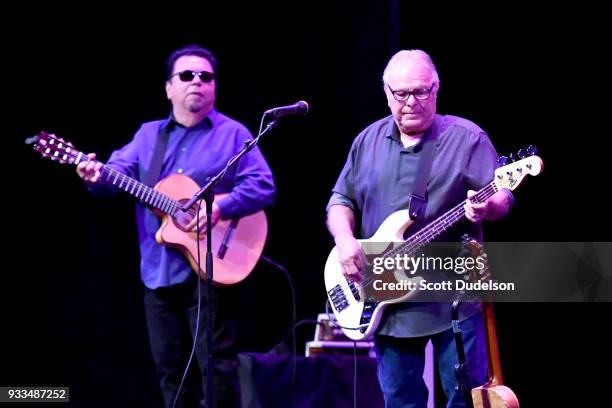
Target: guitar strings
{"x": 415, "y": 241}
{"x": 153, "y": 197}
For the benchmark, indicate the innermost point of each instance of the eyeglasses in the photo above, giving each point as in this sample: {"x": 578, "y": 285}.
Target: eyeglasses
{"x": 420, "y": 93}
{"x": 188, "y": 76}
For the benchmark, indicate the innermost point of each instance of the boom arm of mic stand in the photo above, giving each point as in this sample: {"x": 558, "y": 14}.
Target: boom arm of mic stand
{"x": 212, "y": 182}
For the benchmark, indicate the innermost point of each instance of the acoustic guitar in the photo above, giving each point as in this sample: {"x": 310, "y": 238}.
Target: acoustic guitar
{"x": 237, "y": 243}
{"x": 493, "y": 394}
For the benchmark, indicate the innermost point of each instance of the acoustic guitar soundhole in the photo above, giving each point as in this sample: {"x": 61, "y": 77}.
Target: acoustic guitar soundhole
{"x": 181, "y": 219}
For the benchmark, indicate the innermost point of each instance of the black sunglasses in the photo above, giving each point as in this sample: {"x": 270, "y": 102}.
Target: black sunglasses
{"x": 188, "y": 76}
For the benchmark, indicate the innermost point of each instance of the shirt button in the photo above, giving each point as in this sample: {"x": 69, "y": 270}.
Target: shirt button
{"x": 184, "y": 149}
{"x": 179, "y": 171}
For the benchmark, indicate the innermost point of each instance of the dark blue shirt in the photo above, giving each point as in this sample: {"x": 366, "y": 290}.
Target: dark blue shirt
{"x": 377, "y": 180}
{"x": 199, "y": 152}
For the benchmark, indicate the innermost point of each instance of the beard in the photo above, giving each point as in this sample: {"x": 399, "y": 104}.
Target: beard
{"x": 195, "y": 105}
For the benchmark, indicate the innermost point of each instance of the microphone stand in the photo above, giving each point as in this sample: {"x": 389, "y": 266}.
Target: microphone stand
{"x": 461, "y": 368}
{"x": 206, "y": 193}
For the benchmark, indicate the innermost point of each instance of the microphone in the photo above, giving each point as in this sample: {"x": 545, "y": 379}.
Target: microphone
{"x": 298, "y": 108}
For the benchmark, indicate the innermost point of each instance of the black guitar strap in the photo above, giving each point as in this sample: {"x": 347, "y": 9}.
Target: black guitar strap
{"x": 418, "y": 197}
{"x": 151, "y": 176}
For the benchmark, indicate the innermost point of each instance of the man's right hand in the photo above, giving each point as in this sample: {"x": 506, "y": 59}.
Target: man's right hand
{"x": 89, "y": 171}
{"x": 351, "y": 257}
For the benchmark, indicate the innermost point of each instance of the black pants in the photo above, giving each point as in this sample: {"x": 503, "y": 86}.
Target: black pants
{"x": 171, "y": 321}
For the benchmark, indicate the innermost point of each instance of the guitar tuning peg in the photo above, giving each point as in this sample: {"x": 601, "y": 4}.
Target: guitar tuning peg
{"x": 512, "y": 157}
{"x": 531, "y": 149}
{"x": 502, "y": 160}
{"x": 31, "y": 140}
{"x": 522, "y": 154}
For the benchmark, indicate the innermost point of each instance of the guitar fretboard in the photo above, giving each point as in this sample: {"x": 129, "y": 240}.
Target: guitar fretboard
{"x": 440, "y": 224}
{"x": 142, "y": 192}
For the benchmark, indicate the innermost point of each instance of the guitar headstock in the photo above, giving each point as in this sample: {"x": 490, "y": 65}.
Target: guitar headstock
{"x": 54, "y": 148}
{"x": 511, "y": 175}
{"x": 480, "y": 271}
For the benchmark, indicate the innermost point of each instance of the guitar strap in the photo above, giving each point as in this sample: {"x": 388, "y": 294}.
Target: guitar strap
{"x": 418, "y": 197}
{"x": 150, "y": 178}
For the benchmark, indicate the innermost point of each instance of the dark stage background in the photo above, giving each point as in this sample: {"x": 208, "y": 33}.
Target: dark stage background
{"x": 72, "y": 311}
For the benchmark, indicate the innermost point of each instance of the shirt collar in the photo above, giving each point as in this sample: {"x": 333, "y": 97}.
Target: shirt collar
{"x": 208, "y": 122}
{"x": 392, "y": 132}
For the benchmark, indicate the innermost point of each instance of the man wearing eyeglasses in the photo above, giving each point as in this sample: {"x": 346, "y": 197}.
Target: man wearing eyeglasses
{"x": 199, "y": 141}
{"x": 377, "y": 180}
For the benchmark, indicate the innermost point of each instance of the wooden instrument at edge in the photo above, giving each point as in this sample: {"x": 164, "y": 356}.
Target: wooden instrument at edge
{"x": 493, "y": 394}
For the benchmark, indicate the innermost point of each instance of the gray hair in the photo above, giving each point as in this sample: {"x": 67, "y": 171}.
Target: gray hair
{"x": 404, "y": 56}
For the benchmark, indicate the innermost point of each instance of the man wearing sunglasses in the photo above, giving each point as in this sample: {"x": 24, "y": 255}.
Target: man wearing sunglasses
{"x": 377, "y": 180}
{"x": 199, "y": 141}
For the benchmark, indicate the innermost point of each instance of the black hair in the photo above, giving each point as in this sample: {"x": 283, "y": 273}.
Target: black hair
{"x": 192, "y": 49}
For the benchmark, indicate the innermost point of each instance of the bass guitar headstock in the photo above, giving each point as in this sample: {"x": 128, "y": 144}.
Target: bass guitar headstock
{"x": 510, "y": 175}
